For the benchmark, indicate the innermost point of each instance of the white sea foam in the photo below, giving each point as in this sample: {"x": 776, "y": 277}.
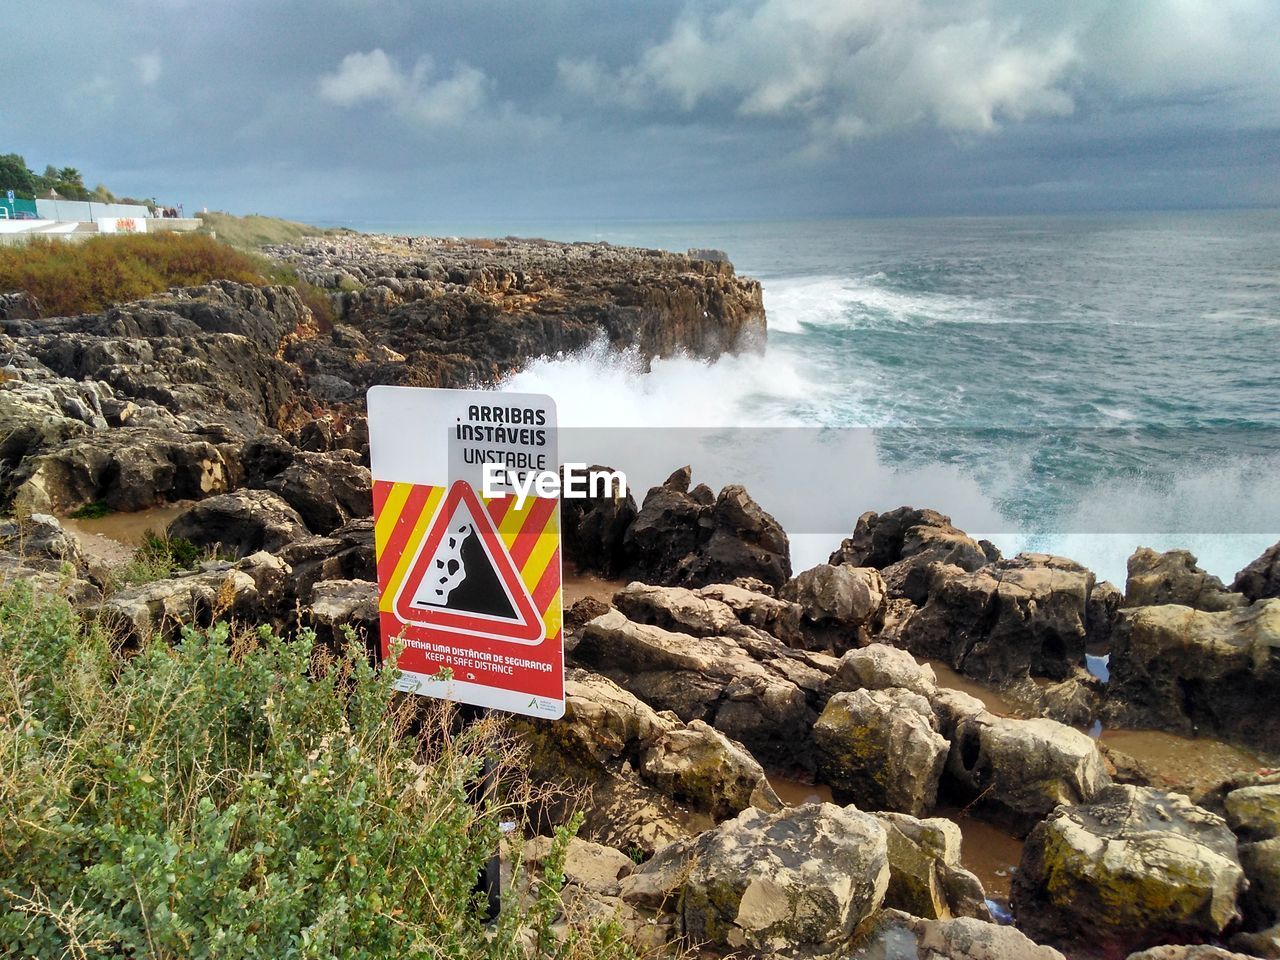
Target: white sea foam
{"x": 614, "y": 412}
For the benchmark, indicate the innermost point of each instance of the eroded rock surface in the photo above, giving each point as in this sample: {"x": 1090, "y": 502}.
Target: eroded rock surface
{"x": 1135, "y": 867}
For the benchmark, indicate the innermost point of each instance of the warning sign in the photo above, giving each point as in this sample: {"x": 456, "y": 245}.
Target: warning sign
{"x": 469, "y": 586}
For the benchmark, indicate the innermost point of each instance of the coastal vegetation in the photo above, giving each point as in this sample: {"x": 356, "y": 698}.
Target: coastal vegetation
{"x": 240, "y": 794}
{"x": 67, "y": 181}
{"x": 72, "y": 278}
{"x": 252, "y": 232}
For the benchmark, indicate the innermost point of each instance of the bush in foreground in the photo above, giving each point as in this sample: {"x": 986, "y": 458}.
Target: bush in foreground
{"x": 247, "y": 797}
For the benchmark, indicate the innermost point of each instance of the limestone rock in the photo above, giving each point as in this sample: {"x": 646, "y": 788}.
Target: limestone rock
{"x": 1194, "y": 951}
{"x": 250, "y": 589}
{"x": 240, "y": 523}
{"x": 1013, "y": 619}
{"x": 676, "y": 608}
{"x": 896, "y": 935}
{"x": 1260, "y": 580}
{"x": 688, "y": 538}
{"x": 1173, "y": 577}
{"x": 701, "y": 766}
{"x": 594, "y": 529}
{"x": 1194, "y": 672}
{"x": 703, "y": 678}
{"x": 755, "y": 606}
{"x": 326, "y": 489}
{"x": 1254, "y": 811}
{"x": 926, "y": 878}
{"x": 903, "y": 543}
{"x": 880, "y": 750}
{"x": 800, "y": 877}
{"x": 879, "y": 666}
{"x": 843, "y": 605}
{"x": 1134, "y": 868}
{"x": 1017, "y": 771}
{"x": 336, "y": 604}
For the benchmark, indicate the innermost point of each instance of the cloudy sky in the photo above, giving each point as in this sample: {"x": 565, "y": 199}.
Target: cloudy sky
{"x": 492, "y": 110}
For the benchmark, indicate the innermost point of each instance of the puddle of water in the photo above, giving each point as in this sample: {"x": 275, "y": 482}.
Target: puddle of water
{"x": 1190, "y": 765}
{"x": 988, "y": 852}
{"x": 580, "y": 585}
{"x": 112, "y": 539}
{"x": 796, "y": 793}
{"x": 128, "y": 528}
{"x": 1099, "y": 665}
{"x": 993, "y": 701}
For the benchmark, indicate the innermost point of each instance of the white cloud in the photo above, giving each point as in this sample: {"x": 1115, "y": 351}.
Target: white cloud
{"x": 853, "y": 69}
{"x": 149, "y": 67}
{"x": 415, "y": 94}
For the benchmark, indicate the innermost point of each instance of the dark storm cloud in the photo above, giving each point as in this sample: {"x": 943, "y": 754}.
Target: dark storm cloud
{"x": 390, "y": 109}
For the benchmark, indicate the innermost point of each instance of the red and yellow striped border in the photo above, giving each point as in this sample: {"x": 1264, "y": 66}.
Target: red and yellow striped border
{"x": 404, "y": 512}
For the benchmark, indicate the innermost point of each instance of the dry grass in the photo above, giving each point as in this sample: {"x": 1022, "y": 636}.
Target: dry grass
{"x": 73, "y": 278}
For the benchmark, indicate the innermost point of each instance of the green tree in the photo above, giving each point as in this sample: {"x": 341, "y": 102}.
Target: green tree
{"x": 14, "y": 174}
{"x": 72, "y": 176}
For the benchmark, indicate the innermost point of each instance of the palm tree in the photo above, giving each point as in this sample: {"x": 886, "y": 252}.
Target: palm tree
{"x": 71, "y": 175}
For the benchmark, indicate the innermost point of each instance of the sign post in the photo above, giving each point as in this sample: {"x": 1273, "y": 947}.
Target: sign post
{"x": 469, "y": 586}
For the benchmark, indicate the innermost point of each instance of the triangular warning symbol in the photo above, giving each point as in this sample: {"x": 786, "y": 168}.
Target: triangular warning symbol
{"x": 462, "y": 579}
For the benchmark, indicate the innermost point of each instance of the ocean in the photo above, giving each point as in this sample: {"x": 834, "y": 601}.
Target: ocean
{"x": 1076, "y": 384}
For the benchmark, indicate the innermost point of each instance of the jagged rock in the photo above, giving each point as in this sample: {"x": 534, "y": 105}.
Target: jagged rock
{"x": 593, "y": 530}
{"x": 684, "y": 538}
{"x": 1104, "y": 605}
{"x": 806, "y": 876}
{"x": 327, "y": 489}
{"x": 926, "y": 878}
{"x": 1173, "y": 577}
{"x": 201, "y": 350}
{"x": 843, "y": 605}
{"x": 1013, "y": 619}
{"x": 250, "y": 589}
{"x": 1194, "y": 672}
{"x": 881, "y": 750}
{"x": 879, "y": 666}
{"x": 896, "y": 935}
{"x": 597, "y": 746}
{"x": 1017, "y": 771}
{"x": 241, "y": 523}
{"x": 1261, "y": 863}
{"x": 676, "y": 608}
{"x": 346, "y": 554}
{"x": 699, "y": 765}
{"x": 1074, "y": 701}
{"x": 1133, "y": 868}
{"x": 601, "y": 722}
{"x": 754, "y": 604}
{"x": 702, "y": 678}
{"x": 1252, "y": 944}
{"x": 1260, "y": 580}
{"x": 48, "y": 579}
{"x": 336, "y": 604}
{"x": 449, "y": 313}
{"x": 1254, "y": 811}
{"x": 591, "y": 866}
{"x": 40, "y": 540}
{"x": 1195, "y": 951}
{"x": 127, "y": 470}
{"x": 903, "y": 543}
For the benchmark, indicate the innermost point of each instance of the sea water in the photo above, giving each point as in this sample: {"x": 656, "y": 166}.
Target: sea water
{"x": 1072, "y": 384}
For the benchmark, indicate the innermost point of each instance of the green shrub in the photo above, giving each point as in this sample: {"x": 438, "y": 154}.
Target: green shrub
{"x": 245, "y": 797}
{"x": 158, "y": 557}
{"x": 91, "y": 511}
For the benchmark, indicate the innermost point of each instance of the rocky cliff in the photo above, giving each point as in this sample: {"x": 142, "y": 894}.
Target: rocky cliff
{"x": 156, "y": 400}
